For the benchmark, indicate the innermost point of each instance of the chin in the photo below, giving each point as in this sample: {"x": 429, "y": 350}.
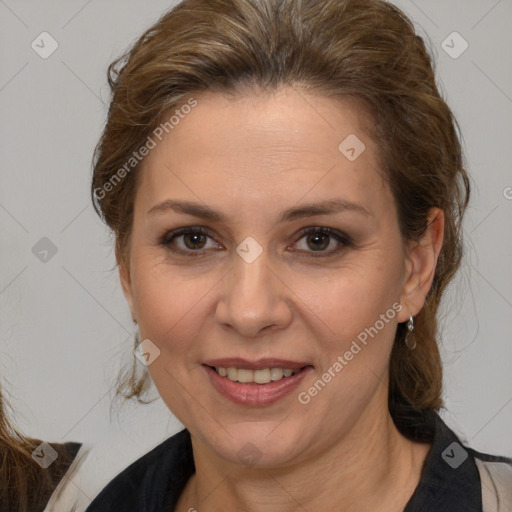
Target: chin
{"x": 261, "y": 444}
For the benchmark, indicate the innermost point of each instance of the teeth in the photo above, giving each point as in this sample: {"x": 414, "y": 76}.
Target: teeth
{"x": 276, "y": 373}
{"x": 263, "y": 376}
{"x": 245, "y": 375}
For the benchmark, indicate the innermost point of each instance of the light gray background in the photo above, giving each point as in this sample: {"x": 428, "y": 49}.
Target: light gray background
{"x": 66, "y": 328}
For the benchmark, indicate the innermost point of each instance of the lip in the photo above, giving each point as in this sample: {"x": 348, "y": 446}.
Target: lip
{"x": 259, "y": 364}
{"x": 252, "y": 394}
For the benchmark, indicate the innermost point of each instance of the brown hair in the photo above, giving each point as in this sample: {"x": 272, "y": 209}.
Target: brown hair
{"x": 24, "y": 485}
{"x": 366, "y": 50}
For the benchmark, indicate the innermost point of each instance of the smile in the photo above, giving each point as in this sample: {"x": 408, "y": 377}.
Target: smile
{"x": 255, "y": 387}
{"x": 263, "y": 376}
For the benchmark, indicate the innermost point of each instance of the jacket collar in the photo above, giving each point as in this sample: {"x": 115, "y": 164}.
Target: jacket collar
{"x": 449, "y": 481}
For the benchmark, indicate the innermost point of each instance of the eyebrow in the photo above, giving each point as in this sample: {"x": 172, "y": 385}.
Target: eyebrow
{"x": 202, "y": 211}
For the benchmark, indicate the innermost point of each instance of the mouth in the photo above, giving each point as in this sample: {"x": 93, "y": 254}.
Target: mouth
{"x": 261, "y": 376}
{"x": 255, "y": 383}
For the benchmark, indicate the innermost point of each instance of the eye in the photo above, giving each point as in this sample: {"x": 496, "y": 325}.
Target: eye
{"x": 194, "y": 241}
{"x": 187, "y": 241}
{"x": 319, "y": 239}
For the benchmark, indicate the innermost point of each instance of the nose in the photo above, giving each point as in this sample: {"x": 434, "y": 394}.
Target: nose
{"x": 254, "y": 299}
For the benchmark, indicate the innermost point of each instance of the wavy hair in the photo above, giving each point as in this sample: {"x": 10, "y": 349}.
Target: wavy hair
{"x": 24, "y": 484}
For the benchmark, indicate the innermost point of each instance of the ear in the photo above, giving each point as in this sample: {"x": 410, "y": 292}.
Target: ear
{"x": 126, "y": 284}
{"x": 421, "y": 261}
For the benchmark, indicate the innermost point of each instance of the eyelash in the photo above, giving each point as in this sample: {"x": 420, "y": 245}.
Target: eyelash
{"x": 341, "y": 238}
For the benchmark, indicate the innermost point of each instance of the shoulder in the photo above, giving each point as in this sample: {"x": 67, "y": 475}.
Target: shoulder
{"x": 496, "y": 481}
{"x": 55, "y": 459}
{"x": 454, "y": 475}
{"x": 149, "y": 479}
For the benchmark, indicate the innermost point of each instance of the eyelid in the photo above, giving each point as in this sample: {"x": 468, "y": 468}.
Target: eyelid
{"x": 340, "y": 237}
{"x": 171, "y": 235}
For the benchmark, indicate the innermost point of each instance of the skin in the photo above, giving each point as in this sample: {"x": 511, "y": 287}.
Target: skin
{"x": 250, "y": 157}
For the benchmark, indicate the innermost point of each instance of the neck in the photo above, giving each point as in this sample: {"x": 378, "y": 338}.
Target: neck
{"x": 371, "y": 468}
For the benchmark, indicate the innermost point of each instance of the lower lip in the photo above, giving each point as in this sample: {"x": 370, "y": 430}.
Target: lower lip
{"x": 252, "y": 393}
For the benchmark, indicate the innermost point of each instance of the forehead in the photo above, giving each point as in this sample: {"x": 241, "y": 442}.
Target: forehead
{"x": 261, "y": 145}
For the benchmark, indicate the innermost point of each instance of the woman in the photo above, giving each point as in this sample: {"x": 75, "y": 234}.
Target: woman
{"x": 30, "y": 470}
{"x": 286, "y": 187}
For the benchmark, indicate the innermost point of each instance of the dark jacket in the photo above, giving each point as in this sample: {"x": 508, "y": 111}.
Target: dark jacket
{"x": 454, "y": 478}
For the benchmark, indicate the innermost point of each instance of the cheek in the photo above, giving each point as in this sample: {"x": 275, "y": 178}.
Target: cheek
{"x": 171, "y": 310}
{"x": 361, "y": 309}
{"x": 361, "y": 313}
{"x": 355, "y": 296}
{"x": 169, "y": 305}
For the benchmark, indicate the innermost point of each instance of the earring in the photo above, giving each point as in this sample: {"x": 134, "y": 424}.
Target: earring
{"x": 410, "y": 329}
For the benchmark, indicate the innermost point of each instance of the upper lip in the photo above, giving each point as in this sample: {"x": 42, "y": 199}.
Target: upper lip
{"x": 238, "y": 362}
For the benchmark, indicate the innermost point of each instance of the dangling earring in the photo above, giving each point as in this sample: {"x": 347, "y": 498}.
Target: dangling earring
{"x": 410, "y": 329}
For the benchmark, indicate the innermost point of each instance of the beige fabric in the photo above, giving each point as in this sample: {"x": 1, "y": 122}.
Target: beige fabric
{"x": 496, "y": 480}
{"x": 68, "y": 496}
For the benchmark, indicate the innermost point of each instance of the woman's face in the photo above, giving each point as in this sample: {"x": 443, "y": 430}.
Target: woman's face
{"x": 252, "y": 290}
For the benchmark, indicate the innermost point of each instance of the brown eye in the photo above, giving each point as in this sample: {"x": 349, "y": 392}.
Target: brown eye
{"x": 194, "y": 240}
{"x": 188, "y": 241}
{"x": 318, "y": 240}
